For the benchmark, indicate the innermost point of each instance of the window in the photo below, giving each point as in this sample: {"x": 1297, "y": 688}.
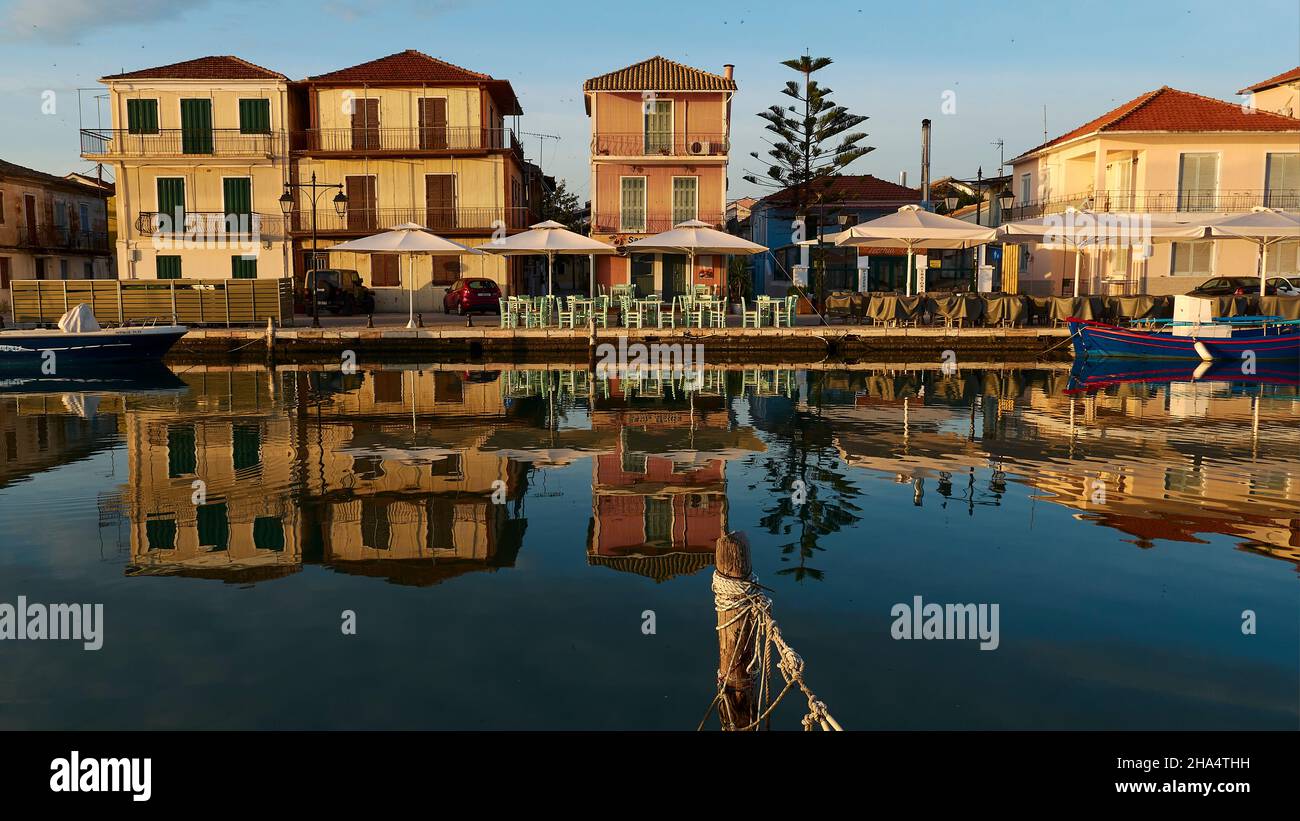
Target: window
{"x": 171, "y": 204}
{"x": 268, "y": 533}
{"x": 1026, "y": 191}
{"x": 361, "y": 202}
{"x": 88, "y": 270}
{"x": 433, "y": 123}
{"x": 1198, "y": 182}
{"x": 254, "y": 116}
{"x": 4, "y": 272}
{"x": 1192, "y": 259}
{"x": 631, "y": 216}
{"x": 169, "y": 266}
{"x": 182, "y": 455}
{"x": 686, "y": 198}
{"x": 385, "y": 271}
{"x": 440, "y": 201}
{"x": 1281, "y": 183}
{"x": 388, "y": 386}
{"x": 246, "y": 446}
{"x": 161, "y": 534}
{"x": 63, "y": 269}
{"x": 237, "y": 199}
{"x": 365, "y": 124}
{"x": 658, "y": 520}
{"x": 196, "y": 126}
{"x": 1283, "y": 259}
{"x": 658, "y": 121}
{"x": 84, "y": 212}
{"x": 375, "y": 532}
{"x": 213, "y": 526}
{"x": 142, "y": 116}
{"x": 243, "y": 267}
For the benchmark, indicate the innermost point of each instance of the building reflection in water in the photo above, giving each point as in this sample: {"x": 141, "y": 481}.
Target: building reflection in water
{"x": 415, "y": 475}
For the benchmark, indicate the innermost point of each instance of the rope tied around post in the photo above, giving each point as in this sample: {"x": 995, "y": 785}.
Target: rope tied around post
{"x": 745, "y": 614}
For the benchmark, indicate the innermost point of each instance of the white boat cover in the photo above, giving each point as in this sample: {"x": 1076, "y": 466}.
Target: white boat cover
{"x": 79, "y": 320}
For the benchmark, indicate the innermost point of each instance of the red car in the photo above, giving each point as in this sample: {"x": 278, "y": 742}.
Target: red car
{"x": 470, "y": 295}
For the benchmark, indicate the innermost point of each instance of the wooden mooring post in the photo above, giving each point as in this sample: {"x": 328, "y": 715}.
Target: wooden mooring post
{"x": 738, "y": 702}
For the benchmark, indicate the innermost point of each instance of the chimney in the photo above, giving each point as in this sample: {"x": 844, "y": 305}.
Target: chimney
{"x": 728, "y": 70}
{"x": 925, "y": 161}
{"x": 902, "y": 178}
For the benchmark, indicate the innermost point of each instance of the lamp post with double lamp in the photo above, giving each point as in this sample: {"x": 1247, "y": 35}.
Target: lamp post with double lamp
{"x": 287, "y": 202}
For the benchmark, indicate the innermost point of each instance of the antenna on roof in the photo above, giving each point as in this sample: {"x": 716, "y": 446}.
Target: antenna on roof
{"x": 541, "y": 142}
{"x": 1044, "y": 122}
{"x": 1001, "y": 144}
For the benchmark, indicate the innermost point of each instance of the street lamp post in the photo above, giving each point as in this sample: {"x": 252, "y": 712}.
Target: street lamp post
{"x": 287, "y": 202}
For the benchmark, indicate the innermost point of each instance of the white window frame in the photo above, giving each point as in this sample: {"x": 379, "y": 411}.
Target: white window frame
{"x": 1026, "y": 188}
{"x": 1173, "y": 259}
{"x": 1268, "y": 169}
{"x": 695, "y": 209}
{"x": 622, "y": 223}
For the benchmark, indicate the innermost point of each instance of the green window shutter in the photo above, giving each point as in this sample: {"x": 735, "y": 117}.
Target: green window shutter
{"x": 268, "y": 533}
{"x": 246, "y": 441}
{"x": 254, "y": 116}
{"x": 684, "y": 199}
{"x": 241, "y": 268}
{"x": 196, "y": 126}
{"x": 632, "y": 217}
{"x": 142, "y": 116}
{"x": 171, "y": 203}
{"x": 237, "y": 193}
{"x": 182, "y": 456}
{"x": 213, "y": 526}
{"x": 161, "y": 534}
{"x": 169, "y": 266}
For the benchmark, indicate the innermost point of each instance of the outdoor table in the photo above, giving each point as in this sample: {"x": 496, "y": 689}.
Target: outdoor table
{"x": 895, "y": 308}
{"x": 955, "y": 307}
{"x": 766, "y": 307}
{"x": 650, "y": 307}
{"x": 841, "y": 304}
{"x": 1237, "y": 306}
{"x": 1009, "y": 308}
{"x": 1287, "y": 307}
{"x": 1130, "y": 307}
{"x": 1082, "y": 307}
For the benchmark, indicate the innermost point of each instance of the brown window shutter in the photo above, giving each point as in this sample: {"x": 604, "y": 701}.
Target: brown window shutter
{"x": 362, "y": 214}
{"x": 384, "y": 270}
{"x": 365, "y": 124}
{"x": 433, "y": 123}
{"x": 440, "y": 201}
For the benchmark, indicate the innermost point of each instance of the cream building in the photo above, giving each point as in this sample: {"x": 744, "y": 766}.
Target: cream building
{"x": 200, "y": 158}
{"x": 1170, "y": 153}
{"x": 1280, "y": 94}
{"x": 411, "y": 139}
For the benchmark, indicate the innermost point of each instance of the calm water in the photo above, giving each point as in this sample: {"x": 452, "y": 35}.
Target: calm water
{"x": 1122, "y": 532}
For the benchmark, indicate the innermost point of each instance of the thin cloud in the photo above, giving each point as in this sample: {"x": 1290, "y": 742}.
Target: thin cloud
{"x": 63, "y": 21}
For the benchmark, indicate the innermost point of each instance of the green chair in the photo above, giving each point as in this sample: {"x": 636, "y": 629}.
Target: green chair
{"x": 749, "y": 318}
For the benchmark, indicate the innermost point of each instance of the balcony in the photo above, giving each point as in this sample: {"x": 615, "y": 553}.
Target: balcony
{"x": 642, "y": 145}
{"x": 179, "y": 142}
{"x": 210, "y": 226}
{"x": 431, "y": 140}
{"x": 439, "y": 220}
{"x": 613, "y": 223}
{"x": 1169, "y": 201}
{"x": 49, "y": 238}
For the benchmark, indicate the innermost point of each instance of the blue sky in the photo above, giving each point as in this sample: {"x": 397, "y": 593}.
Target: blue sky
{"x": 893, "y": 61}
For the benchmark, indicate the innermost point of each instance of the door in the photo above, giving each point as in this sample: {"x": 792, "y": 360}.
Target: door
{"x": 171, "y": 204}
{"x": 675, "y": 276}
{"x": 361, "y": 203}
{"x": 29, "y": 209}
{"x": 433, "y": 123}
{"x": 365, "y": 124}
{"x": 196, "y": 126}
{"x": 643, "y": 274}
{"x": 440, "y": 201}
{"x": 40, "y": 267}
{"x": 237, "y": 195}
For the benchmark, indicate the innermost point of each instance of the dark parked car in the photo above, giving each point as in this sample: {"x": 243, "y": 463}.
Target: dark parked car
{"x": 1232, "y": 286}
{"x": 470, "y": 295}
{"x": 339, "y": 291}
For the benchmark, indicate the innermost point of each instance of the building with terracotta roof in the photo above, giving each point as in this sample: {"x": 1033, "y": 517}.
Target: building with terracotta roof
{"x": 852, "y": 198}
{"x": 660, "y": 140}
{"x": 51, "y": 228}
{"x": 412, "y": 139}
{"x": 1279, "y": 94}
{"x": 200, "y": 157}
{"x": 1166, "y": 152}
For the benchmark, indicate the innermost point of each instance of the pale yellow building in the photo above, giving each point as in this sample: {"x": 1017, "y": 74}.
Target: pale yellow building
{"x": 1280, "y": 94}
{"x": 1168, "y": 153}
{"x": 412, "y": 139}
{"x": 200, "y": 158}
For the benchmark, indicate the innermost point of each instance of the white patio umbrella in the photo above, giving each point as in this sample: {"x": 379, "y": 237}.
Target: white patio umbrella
{"x": 913, "y": 227}
{"x": 694, "y": 237}
{"x": 551, "y": 239}
{"x": 1263, "y": 226}
{"x": 1080, "y": 229}
{"x": 411, "y": 240}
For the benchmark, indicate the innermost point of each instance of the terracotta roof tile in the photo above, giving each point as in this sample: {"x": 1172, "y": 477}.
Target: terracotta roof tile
{"x": 659, "y": 74}
{"x": 1285, "y": 77}
{"x": 405, "y": 66}
{"x": 854, "y": 188}
{"x": 224, "y": 67}
{"x": 1168, "y": 109}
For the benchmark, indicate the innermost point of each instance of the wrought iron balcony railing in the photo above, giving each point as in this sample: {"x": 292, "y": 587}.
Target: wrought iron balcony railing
{"x": 210, "y": 226}
{"x": 625, "y": 223}
{"x": 180, "y": 142}
{"x": 436, "y": 219}
{"x": 50, "y": 237}
{"x": 652, "y": 145}
{"x": 405, "y": 140}
{"x": 1160, "y": 201}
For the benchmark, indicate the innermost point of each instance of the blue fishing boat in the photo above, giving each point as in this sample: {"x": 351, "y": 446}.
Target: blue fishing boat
{"x": 1238, "y": 338}
{"x": 79, "y": 341}
{"x": 1089, "y": 375}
